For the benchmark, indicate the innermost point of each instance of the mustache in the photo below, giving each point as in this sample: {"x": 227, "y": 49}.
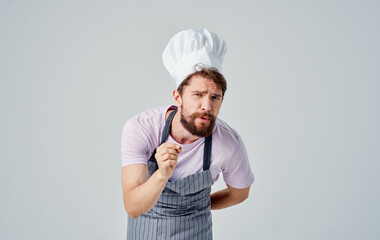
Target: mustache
{"x": 207, "y": 115}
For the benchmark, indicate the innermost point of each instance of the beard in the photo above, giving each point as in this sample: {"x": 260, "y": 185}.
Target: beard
{"x": 204, "y": 130}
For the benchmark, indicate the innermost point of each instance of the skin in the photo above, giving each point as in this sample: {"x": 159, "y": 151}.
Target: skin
{"x": 141, "y": 193}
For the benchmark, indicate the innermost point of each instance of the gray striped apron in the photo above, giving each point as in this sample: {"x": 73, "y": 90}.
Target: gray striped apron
{"x": 183, "y": 210}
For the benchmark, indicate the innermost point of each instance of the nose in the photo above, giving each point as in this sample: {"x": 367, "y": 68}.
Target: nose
{"x": 206, "y": 105}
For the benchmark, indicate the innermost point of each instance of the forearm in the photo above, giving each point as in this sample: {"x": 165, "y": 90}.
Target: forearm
{"x": 142, "y": 198}
{"x": 223, "y": 199}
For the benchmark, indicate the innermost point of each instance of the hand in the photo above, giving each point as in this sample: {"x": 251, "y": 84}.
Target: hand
{"x": 166, "y": 157}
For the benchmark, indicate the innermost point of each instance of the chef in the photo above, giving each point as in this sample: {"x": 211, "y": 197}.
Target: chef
{"x": 172, "y": 155}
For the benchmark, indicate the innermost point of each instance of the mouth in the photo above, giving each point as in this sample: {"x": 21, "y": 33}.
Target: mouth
{"x": 204, "y": 119}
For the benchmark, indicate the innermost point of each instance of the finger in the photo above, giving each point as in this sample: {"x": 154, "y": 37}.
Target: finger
{"x": 178, "y": 148}
{"x": 170, "y": 145}
{"x": 171, "y": 163}
{"x": 167, "y": 150}
{"x": 167, "y": 156}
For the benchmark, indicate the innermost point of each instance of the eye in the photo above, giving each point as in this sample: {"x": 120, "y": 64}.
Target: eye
{"x": 215, "y": 97}
{"x": 197, "y": 94}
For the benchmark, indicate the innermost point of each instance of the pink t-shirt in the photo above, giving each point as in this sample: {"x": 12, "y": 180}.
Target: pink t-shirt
{"x": 142, "y": 135}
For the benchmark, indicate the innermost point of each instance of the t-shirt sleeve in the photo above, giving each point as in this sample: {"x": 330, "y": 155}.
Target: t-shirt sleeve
{"x": 134, "y": 144}
{"x": 237, "y": 172}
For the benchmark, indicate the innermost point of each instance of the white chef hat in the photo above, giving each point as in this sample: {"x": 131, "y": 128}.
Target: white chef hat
{"x": 188, "y": 48}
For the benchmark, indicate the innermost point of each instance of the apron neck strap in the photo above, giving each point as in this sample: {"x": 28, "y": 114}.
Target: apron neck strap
{"x": 165, "y": 132}
{"x": 207, "y": 153}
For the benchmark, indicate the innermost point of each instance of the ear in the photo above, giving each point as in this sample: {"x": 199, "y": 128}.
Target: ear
{"x": 177, "y": 98}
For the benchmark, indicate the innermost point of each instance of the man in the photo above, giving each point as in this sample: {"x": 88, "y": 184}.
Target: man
{"x": 172, "y": 155}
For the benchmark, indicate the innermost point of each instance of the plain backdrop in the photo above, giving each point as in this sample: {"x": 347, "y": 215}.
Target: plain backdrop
{"x": 303, "y": 92}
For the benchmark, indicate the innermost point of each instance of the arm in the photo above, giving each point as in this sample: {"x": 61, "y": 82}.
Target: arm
{"x": 228, "y": 197}
{"x": 236, "y": 171}
{"x": 140, "y": 194}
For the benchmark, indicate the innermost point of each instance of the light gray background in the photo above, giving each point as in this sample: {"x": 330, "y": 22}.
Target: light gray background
{"x": 303, "y": 92}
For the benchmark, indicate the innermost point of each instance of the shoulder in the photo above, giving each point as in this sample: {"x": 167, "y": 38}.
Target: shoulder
{"x": 225, "y": 133}
{"x": 152, "y": 114}
{"x": 228, "y": 145}
{"x": 141, "y": 134}
{"x": 149, "y": 119}
{"x": 147, "y": 125}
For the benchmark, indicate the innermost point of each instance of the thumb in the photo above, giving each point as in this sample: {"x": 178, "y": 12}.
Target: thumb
{"x": 178, "y": 148}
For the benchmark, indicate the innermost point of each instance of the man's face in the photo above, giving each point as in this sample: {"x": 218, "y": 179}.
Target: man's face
{"x": 199, "y": 105}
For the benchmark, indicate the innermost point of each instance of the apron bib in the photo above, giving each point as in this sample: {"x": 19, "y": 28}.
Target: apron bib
{"x": 183, "y": 210}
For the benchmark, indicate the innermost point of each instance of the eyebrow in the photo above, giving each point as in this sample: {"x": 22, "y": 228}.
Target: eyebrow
{"x": 214, "y": 94}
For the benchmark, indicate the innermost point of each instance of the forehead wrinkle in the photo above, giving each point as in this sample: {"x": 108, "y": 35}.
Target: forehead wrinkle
{"x": 206, "y": 91}
{"x": 203, "y": 85}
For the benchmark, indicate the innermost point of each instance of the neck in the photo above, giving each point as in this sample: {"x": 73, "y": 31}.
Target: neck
{"x": 178, "y": 132}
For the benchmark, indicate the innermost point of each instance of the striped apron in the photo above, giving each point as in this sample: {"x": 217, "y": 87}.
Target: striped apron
{"x": 183, "y": 210}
